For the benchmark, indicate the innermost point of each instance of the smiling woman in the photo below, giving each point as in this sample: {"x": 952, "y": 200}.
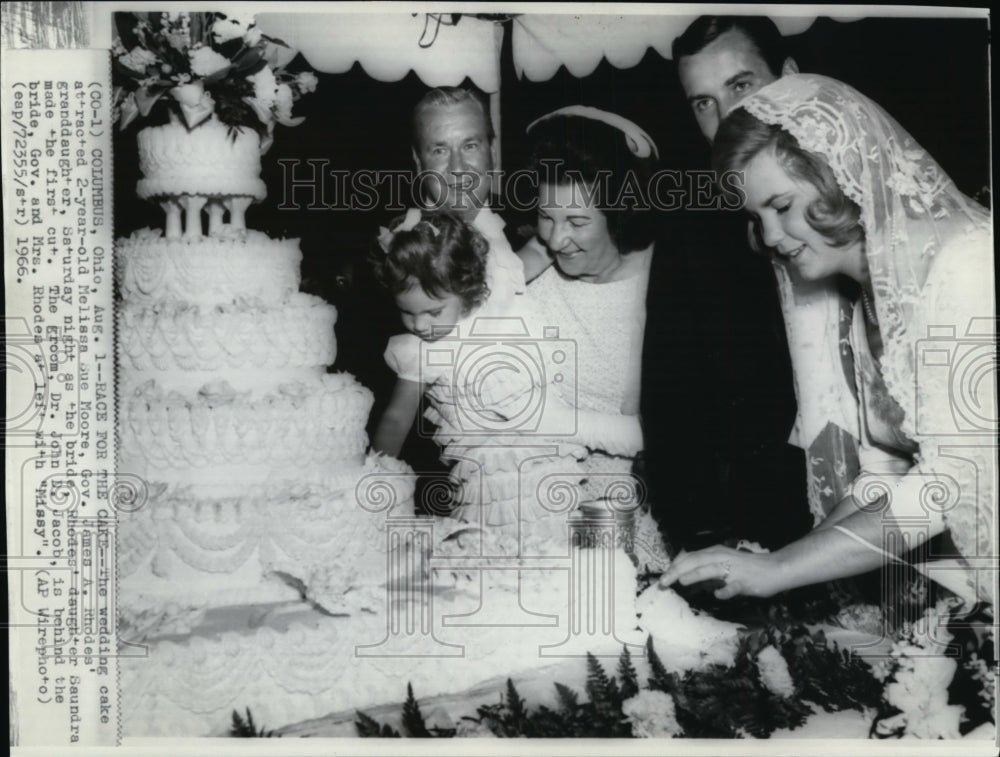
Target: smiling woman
{"x": 787, "y": 213}
{"x": 838, "y": 189}
{"x": 594, "y": 247}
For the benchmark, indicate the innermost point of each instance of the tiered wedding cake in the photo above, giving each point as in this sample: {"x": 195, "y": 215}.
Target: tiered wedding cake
{"x": 251, "y": 452}
{"x": 267, "y": 562}
{"x": 273, "y": 566}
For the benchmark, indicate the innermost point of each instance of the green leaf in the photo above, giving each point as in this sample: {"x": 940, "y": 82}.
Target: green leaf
{"x": 630, "y": 679}
{"x": 146, "y": 98}
{"x": 249, "y": 61}
{"x": 413, "y": 719}
{"x": 515, "y": 705}
{"x": 246, "y": 729}
{"x": 239, "y": 727}
{"x": 661, "y": 680}
{"x": 275, "y": 40}
{"x": 368, "y": 727}
{"x": 568, "y": 700}
{"x": 597, "y": 679}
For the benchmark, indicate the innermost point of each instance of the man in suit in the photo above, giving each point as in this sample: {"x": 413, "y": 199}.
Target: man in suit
{"x": 717, "y": 400}
{"x": 454, "y": 151}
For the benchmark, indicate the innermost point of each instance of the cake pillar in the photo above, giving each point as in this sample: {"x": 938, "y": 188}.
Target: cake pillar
{"x": 172, "y": 227}
{"x": 216, "y": 214}
{"x": 192, "y": 205}
{"x": 237, "y": 211}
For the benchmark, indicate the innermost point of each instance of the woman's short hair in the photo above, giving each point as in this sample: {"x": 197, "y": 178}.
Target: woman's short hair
{"x": 742, "y": 137}
{"x": 442, "y": 254}
{"x": 570, "y": 149}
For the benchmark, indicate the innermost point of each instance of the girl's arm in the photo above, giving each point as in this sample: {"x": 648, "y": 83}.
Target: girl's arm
{"x": 397, "y": 420}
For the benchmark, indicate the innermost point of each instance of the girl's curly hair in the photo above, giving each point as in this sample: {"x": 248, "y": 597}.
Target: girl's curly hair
{"x": 442, "y": 254}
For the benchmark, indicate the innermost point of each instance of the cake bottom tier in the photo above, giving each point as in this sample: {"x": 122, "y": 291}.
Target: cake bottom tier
{"x": 289, "y": 662}
{"x": 195, "y": 547}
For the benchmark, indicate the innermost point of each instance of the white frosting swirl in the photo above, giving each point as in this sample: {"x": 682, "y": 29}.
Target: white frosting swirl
{"x": 299, "y": 334}
{"x": 216, "y": 270}
{"x": 300, "y": 425}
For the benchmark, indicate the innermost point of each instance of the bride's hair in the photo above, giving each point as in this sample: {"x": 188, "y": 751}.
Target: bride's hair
{"x": 742, "y": 137}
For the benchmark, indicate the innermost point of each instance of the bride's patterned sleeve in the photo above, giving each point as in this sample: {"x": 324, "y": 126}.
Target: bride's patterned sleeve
{"x": 955, "y": 364}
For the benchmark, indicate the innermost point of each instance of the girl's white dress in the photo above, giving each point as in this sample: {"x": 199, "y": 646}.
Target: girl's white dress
{"x": 490, "y": 406}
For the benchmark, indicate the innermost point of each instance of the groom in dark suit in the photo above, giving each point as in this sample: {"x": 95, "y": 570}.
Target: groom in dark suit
{"x": 718, "y": 402}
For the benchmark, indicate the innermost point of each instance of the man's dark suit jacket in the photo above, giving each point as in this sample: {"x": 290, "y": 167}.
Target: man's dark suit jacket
{"x": 717, "y": 398}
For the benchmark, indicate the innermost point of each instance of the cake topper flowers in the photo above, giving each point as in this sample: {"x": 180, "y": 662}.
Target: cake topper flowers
{"x": 200, "y": 64}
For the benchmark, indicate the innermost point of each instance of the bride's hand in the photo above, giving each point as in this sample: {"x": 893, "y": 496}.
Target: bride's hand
{"x": 746, "y": 573}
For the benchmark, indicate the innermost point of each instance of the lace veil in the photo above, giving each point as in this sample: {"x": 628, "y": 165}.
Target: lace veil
{"x": 929, "y": 255}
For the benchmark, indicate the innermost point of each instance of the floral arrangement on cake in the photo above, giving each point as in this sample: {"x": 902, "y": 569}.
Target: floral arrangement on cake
{"x": 197, "y": 65}
{"x": 776, "y": 681}
{"x": 940, "y": 681}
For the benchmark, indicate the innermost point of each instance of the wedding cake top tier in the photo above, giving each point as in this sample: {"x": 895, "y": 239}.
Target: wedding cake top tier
{"x": 211, "y": 160}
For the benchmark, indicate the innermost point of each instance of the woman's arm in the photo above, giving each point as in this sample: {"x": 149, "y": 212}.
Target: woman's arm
{"x": 824, "y": 554}
{"x": 821, "y": 555}
{"x": 397, "y": 420}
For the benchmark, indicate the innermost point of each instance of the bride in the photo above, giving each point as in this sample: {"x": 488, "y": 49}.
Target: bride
{"x": 837, "y": 188}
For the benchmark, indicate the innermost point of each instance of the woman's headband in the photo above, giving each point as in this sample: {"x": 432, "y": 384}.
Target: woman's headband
{"x": 639, "y": 142}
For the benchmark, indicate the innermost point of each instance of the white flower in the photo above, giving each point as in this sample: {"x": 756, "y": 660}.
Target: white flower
{"x": 232, "y": 27}
{"x": 138, "y": 59}
{"x": 244, "y": 20}
{"x": 981, "y": 671}
{"x": 652, "y": 715}
{"x": 921, "y": 673}
{"x": 179, "y": 39}
{"x": 306, "y": 81}
{"x": 265, "y": 87}
{"x": 929, "y": 717}
{"x": 774, "y": 672}
{"x": 283, "y": 102}
{"x": 205, "y": 61}
{"x": 253, "y": 36}
{"x": 471, "y": 729}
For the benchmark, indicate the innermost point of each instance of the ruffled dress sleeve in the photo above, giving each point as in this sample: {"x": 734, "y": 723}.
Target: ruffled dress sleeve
{"x": 402, "y": 355}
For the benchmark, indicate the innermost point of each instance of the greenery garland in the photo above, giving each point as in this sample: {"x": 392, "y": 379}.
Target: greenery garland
{"x": 781, "y": 674}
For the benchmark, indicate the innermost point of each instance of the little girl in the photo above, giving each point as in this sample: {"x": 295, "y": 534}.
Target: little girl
{"x": 450, "y": 287}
